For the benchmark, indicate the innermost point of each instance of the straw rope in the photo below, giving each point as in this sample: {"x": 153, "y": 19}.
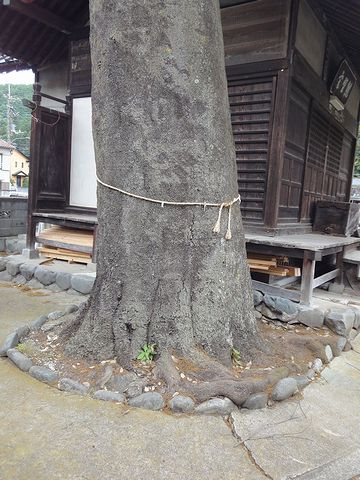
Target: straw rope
{"x": 220, "y": 206}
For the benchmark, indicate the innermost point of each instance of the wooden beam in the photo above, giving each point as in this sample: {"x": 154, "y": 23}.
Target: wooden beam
{"x": 326, "y": 277}
{"x": 42, "y": 15}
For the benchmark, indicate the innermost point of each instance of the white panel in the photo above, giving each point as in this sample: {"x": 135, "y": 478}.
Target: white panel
{"x": 82, "y": 176}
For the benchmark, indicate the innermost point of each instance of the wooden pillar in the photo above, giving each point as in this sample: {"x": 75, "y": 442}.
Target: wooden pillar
{"x": 277, "y": 147}
{"x": 340, "y": 265}
{"x": 307, "y": 279}
{"x": 33, "y": 173}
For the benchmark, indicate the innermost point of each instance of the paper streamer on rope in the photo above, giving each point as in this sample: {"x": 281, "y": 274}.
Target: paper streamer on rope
{"x": 220, "y": 206}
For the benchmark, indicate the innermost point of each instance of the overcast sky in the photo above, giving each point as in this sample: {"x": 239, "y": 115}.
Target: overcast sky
{"x": 22, "y": 77}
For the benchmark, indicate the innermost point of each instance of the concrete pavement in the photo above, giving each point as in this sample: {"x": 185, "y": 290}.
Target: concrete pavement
{"x": 316, "y": 438}
{"x": 48, "y": 434}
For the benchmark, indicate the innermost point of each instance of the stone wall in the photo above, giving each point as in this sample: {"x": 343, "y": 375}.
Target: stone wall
{"x": 13, "y": 215}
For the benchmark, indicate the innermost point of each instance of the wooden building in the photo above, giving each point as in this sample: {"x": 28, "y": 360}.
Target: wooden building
{"x": 295, "y": 143}
{"x": 293, "y": 69}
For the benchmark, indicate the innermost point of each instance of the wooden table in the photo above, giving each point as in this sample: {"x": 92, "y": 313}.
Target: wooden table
{"x": 311, "y": 248}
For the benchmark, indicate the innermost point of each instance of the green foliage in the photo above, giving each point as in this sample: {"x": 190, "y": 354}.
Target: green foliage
{"x": 21, "y": 347}
{"x": 21, "y": 117}
{"x": 235, "y": 356}
{"x": 147, "y": 352}
{"x": 25, "y": 182}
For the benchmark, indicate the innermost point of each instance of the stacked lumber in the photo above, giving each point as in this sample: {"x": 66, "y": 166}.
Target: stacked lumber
{"x": 69, "y": 244}
{"x": 272, "y": 265}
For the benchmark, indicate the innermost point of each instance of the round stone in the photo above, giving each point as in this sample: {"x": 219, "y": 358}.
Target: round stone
{"x": 284, "y": 389}
{"x": 181, "y": 404}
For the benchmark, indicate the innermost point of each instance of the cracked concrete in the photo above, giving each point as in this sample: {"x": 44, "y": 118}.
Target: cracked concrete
{"x": 48, "y": 434}
{"x": 315, "y": 438}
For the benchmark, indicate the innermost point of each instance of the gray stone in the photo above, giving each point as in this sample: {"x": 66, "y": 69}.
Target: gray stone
{"x": 5, "y": 277}
{"x": 71, "y": 309}
{"x": 21, "y": 361}
{"x": 341, "y": 342}
{"x": 71, "y": 291}
{"x": 317, "y": 365}
{"x": 10, "y": 342}
{"x": 336, "y": 288}
{"x": 218, "y": 406}
{"x": 347, "y": 347}
{"x": 82, "y": 283}
{"x": 43, "y": 374}
{"x": 257, "y": 315}
{"x": 328, "y": 354}
{"x": 302, "y": 381}
{"x": 357, "y": 318}
{"x": 63, "y": 280}
{"x": 353, "y": 334}
{"x": 33, "y": 283}
{"x": 45, "y": 276}
{"x": 256, "y": 401}
{"x": 340, "y": 321}
{"x": 54, "y": 288}
{"x": 130, "y": 384}
{"x": 38, "y": 323}
{"x": 268, "y": 313}
{"x": 148, "y": 400}
{"x": 282, "y": 308}
{"x": 109, "y": 396}
{"x": 55, "y": 315}
{"x": 19, "y": 280}
{"x": 27, "y": 270}
{"x": 285, "y": 388}
{"x": 22, "y": 331}
{"x": 311, "y": 317}
{"x": 69, "y": 385}
{"x": 258, "y": 297}
{"x": 13, "y": 267}
{"x": 311, "y": 374}
{"x": 2, "y": 265}
{"x": 181, "y": 404}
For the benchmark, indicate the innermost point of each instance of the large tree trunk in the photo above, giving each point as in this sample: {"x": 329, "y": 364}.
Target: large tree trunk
{"x": 162, "y": 129}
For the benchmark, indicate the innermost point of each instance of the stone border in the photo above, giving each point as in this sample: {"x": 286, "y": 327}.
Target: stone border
{"x": 342, "y": 321}
{"x": 38, "y": 277}
{"x": 136, "y": 394}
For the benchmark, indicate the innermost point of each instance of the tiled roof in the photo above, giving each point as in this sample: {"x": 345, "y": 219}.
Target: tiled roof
{"x": 4, "y": 144}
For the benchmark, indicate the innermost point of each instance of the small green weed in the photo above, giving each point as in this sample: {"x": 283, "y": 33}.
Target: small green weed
{"x": 147, "y": 352}
{"x": 21, "y": 347}
{"x": 235, "y": 356}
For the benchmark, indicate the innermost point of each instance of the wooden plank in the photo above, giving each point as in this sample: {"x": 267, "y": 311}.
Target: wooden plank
{"x": 256, "y": 261}
{"x": 70, "y": 258}
{"x": 326, "y": 277}
{"x": 278, "y": 291}
{"x": 278, "y": 272}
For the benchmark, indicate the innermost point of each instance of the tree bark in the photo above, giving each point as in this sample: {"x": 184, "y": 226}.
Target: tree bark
{"x": 162, "y": 129}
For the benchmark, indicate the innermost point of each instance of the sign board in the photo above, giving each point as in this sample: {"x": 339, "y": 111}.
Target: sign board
{"x": 343, "y": 82}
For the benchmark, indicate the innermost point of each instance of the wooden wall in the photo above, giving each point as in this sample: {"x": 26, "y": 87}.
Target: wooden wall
{"x": 251, "y": 105}
{"x": 80, "y": 68}
{"x": 256, "y": 31}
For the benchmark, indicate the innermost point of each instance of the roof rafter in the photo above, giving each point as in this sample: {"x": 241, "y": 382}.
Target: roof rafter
{"x": 42, "y": 15}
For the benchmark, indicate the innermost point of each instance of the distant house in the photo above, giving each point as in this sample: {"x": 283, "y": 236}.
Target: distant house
{"x": 19, "y": 168}
{"x": 355, "y": 189}
{"x": 5, "y": 152}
